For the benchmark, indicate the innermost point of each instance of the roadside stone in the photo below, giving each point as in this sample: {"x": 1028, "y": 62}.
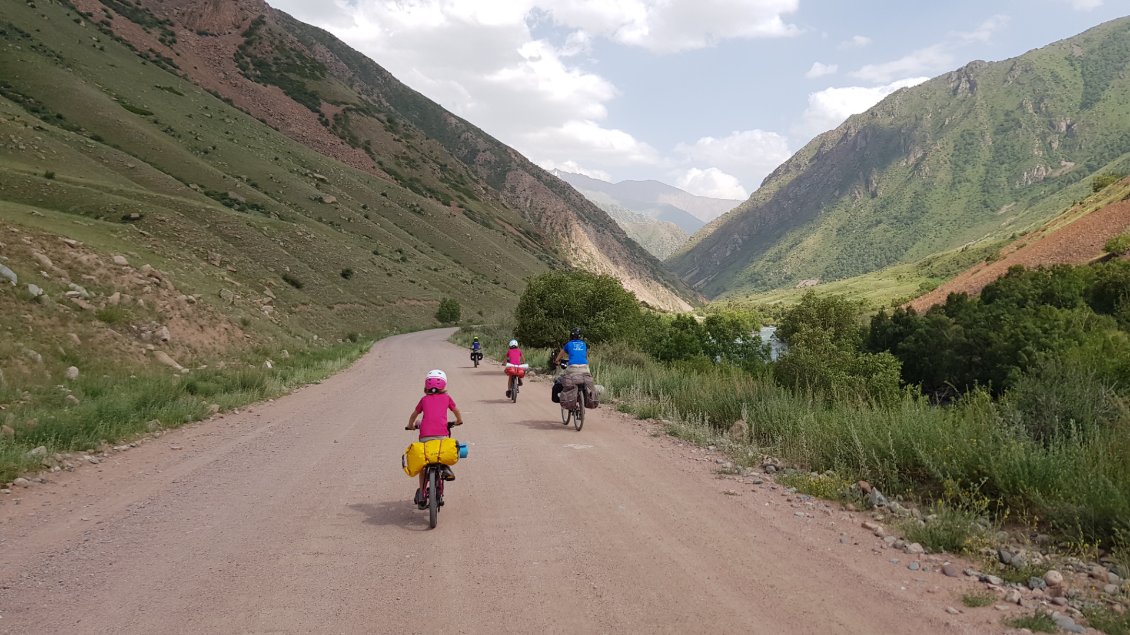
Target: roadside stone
{"x": 1013, "y": 596}
{"x": 872, "y": 526}
{"x": 115, "y": 298}
{"x": 1111, "y": 589}
{"x": 1066, "y": 623}
{"x": 72, "y": 373}
{"x": 1005, "y": 556}
{"x": 38, "y": 453}
{"x": 163, "y": 358}
{"x": 1059, "y": 601}
{"x": 1037, "y": 583}
{"x": 21, "y": 482}
{"x": 329, "y": 200}
{"x": 876, "y": 498}
{"x": 43, "y": 260}
{"x": 914, "y": 566}
{"x": 80, "y": 290}
{"x": 34, "y": 290}
{"x": 1098, "y": 572}
{"x": 121, "y": 261}
{"x": 952, "y": 611}
{"x": 9, "y": 275}
{"x": 914, "y": 549}
{"x": 950, "y": 571}
{"x": 1053, "y": 578}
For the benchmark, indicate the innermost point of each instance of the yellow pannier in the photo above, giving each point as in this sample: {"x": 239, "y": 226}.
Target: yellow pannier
{"x": 419, "y": 454}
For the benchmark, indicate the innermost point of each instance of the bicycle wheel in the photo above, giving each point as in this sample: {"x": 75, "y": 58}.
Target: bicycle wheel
{"x": 513, "y": 389}
{"x": 433, "y": 498}
{"x": 579, "y": 411}
{"x": 565, "y": 412}
{"x": 476, "y": 360}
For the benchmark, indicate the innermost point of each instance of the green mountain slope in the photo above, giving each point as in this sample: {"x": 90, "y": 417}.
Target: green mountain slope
{"x": 292, "y": 190}
{"x": 978, "y": 154}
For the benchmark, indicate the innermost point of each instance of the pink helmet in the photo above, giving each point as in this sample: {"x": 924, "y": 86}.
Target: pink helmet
{"x": 435, "y": 381}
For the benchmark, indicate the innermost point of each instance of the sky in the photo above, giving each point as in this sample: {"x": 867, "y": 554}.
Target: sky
{"x": 706, "y": 95}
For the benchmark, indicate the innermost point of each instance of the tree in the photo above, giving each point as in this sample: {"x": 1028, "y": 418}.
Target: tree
{"x": 1102, "y": 181}
{"x": 449, "y": 311}
{"x": 1119, "y": 245}
{"x": 555, "y": 302}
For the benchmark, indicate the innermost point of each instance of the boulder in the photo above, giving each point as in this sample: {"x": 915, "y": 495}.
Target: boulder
{"x": 329, "y": 200}
{"x": 35, "y": 290}
{"x": 43, "y": 260}
{"x": 163, "y": 334}
{"x": 121, "y": 261}
{"x": 115, "y": 298}
{"x": 9, "y": 275}
{"x": 72, "y": 373}
{"x": 163, "y": 358}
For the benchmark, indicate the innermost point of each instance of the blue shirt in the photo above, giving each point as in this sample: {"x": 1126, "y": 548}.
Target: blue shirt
{"x": 578, "y": 352}
{"x": 475, "y": 346}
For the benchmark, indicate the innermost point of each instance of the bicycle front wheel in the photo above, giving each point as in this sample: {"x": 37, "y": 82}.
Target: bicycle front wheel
{"x": 433, "y": 498}
{"x": 579, "y": 411}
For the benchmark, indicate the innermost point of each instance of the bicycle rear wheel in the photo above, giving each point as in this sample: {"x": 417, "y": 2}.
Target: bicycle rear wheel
{"x": 565, "y": 414}
{"x": 433, "y": 498}
{"x": 513, "y": 389}
{"x": 579, "y": 411}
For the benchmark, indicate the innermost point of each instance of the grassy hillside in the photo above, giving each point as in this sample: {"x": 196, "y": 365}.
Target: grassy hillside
{"x": 976, "y": 155}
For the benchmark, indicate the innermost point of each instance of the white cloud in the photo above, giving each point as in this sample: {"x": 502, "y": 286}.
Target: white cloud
{"x": 931, "y": 59}
{"x": 829, "y": 108}
{"x": 752, "y": 154}
{"x": 985, "y": 31}
{"x": 712, "y": 182}
{"x": 856, "y": 41}
{"x": 575, "y": 168}
{"x": 821, "y": 70}
{"x": 675, "y": 25}
{"x": 1085, "y": 5}
{"x": 591, "y": 143}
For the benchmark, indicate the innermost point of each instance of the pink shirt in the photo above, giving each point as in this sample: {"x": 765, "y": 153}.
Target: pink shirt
{"x": 434, "y": 408}
{"x": 514, "y": 356}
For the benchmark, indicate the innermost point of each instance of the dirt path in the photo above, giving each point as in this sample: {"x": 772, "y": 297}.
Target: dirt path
{"x": 294, "y": 517}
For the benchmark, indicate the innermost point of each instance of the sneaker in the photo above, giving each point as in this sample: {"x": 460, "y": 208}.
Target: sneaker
{"x": 419, "y": 499}
{"x": 448, "y": 474}
{"x": 519, "y": 381}
{"x": 508, "y": 394}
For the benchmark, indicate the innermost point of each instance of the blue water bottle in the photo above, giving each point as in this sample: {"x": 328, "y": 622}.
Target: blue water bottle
{"x": 462, "y": 450}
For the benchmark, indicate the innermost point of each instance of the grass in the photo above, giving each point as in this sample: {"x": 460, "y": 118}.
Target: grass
{"x": 1107, "y": 621}
{"x": 978, "y": 599}
{"x": 968, "y": 455}
{"x": 117, "y": 404}
{"x": 1037, "y": 623}
{"x": 828, "y": 485}
{"x": 949, "y": 529}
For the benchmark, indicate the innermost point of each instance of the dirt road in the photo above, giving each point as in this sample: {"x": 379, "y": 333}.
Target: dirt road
{"x": 294, "y": 517}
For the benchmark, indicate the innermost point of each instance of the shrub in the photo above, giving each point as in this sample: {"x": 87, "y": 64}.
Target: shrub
{"x": 347, "y": 273}
{"x": 978, "y": 599}
{"x": 555, "y": 302}
{"x": 112, "y": 315}
{"x": 49, "y": 175}
{"x": 449, "y": 311}
{"x": 1119, "y": 245}
{"x": 1105, "y": 180}
{"x": 947, "y": 529}
{"x": 1037, "y": 623}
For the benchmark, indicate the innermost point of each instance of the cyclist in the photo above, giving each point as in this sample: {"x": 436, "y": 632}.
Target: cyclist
{"x": 433, "y": 406}
{"x": 513, "y": 359}
{"x": 476, "y": 348}
{"x": 576, "y": 353}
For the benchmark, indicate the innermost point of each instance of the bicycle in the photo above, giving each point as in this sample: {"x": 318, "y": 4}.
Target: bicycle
{"x": 476, "y": 356}
{"x": 512, "y": 385}
{"x": 433, "y": 482}
{"x": 576, "y": 413}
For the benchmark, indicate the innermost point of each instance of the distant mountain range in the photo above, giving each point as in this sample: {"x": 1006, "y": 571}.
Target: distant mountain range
{"x": 982, "y": 153}
{"x": 658, "y": 216}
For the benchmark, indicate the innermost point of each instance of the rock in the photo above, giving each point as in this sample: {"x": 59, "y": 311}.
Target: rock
{"x": 1037, "y": 583}
{"x": 115, "y": 298}
{"x": 227, "y": 296}
{"x": 1019, "y": 561}
{"x": 770, "y": 469}
{"x": 914, "y": 566}
{"x": 285, "y": 354}
{"x": 914, "y": 549}
{"x": 215, "y": 259}
{"x": 950, "y": 571}
{"x": 1053, "y": 578}
{"x": 871, "y": 526}
{"x": 82, "y": 304}
{"x": 1013, "y": 596}
{"x": 75, "y": 339}
{"x": 163, "y": 334}
{"x": 6, "y": 432}
{"x": 1067, "y": 624}
{"x": 1005, "y": 556}
{"x": 83, "y": 293}
{"x": 72, "y": 373}
{"x": 121, "y": 261}
{"x": 43, "y": 260}
{"x": 864, "y": 487}
{"x": 9, "y": 275}
{"x": 71, "y": 400}
{"x": 268, "y": 364}
{"x": 213, "y": 408}
{"x": 1111, "y": 589}
{"x": 35, "y": 290}
{"x": 38, "y": 453}
{"x": 739, "y": 431}
{"x": 329, "y": 200}
{"x": 952, "y": 611}
{"x": 21, "y": 482}
{"x": 1098, "y": 572}
{"x": 876, "y": 498}
{"x": 163, "y": 358}
{"x": 33, "y": 356}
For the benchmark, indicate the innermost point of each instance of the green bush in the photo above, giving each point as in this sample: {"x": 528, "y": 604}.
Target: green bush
{"x": 1105, "y": 180}
{"x": 555, "y": 302}
{"x": 1119, "y": 245}
{"x": 448, "y": 312}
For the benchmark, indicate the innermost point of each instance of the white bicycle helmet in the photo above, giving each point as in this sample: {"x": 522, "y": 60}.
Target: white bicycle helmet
{"x": 513, "y": 343}
{"x": 435, "y": 381}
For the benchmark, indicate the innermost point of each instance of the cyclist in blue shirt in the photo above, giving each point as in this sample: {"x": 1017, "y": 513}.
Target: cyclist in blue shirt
{"x": 475, "y": 345}
{"x": 576, "y": 352}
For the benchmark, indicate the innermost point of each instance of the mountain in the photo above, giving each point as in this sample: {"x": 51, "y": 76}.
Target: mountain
{"x": 983, "y": 152}
{"x": 188, "y": 129}
{"x": 656, "y": 215}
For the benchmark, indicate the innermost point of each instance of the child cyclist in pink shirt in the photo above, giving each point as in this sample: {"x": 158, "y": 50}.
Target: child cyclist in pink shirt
{"x": 514, "y": 358}
{"x": 434, "y": 406}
